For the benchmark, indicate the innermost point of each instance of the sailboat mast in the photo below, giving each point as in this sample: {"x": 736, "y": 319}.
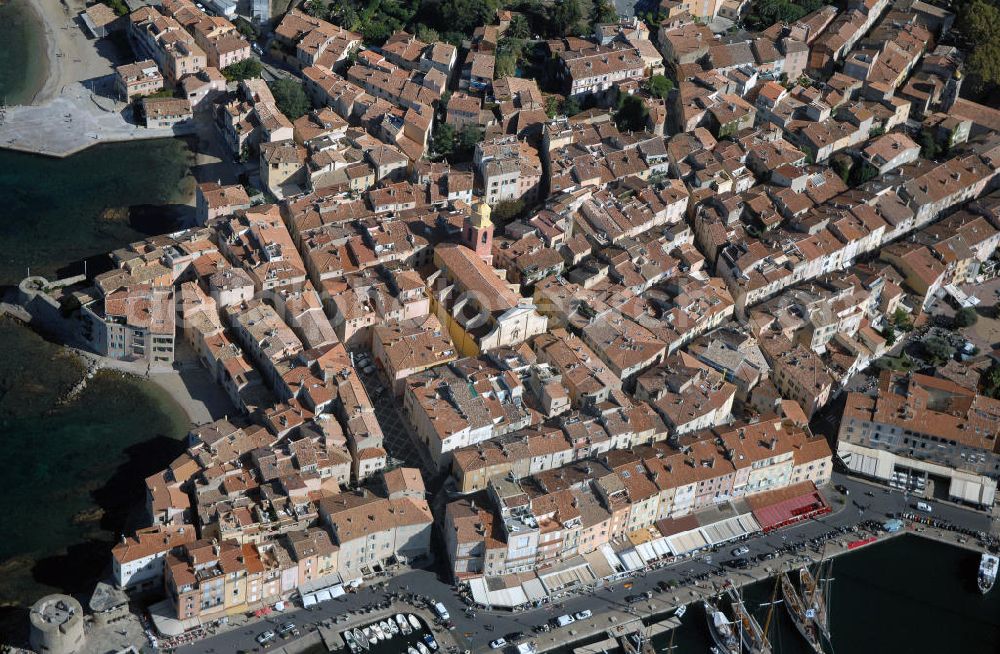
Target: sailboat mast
{"x": 770, "y": 609}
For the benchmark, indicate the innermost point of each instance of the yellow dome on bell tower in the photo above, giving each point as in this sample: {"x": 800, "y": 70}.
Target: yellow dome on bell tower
{"x": 481, "y": 215}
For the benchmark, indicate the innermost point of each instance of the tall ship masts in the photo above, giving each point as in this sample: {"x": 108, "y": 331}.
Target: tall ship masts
{"x": 754, "y": 640}
{"x": 797, "y": 611}
{"x": 815, "y": 600}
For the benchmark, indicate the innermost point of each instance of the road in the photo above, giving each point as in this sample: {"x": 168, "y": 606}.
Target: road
{"x": 475, "y": 633}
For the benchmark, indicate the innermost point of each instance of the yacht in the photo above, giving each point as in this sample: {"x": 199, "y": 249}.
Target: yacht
{"x": 987, "y": 572}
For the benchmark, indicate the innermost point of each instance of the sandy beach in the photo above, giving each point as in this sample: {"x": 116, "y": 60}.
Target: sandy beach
{"x": 71, "y": 56}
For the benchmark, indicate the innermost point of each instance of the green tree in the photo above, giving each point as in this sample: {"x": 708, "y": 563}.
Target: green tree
{"x": 989, "y": 381}
{"x": 551, "y": 106}
{"x": 469, "y": 137}
{"x": 632, "y": 114}
{"x": 842, "y": 165}
{"x": 966, "y": 317}
{"x": 938, "y": 350}
{"x": 246, "y": 69}
{"x": 929, "y": 147}
{"x": 506, "y": 211}
{"x": 571, "y": 107}
{"x": 466, "y": 15}
{"x": 564, "y": 17}
{"x": 444, "y": 138}
{"x": 604, "y": 12}
{"x": 426, "y": 34}
{"x": 290, "y": 98}
{"x": 246, "y": 28}
{"x": 901, "y": 320}
{"x": 863, "y": 173}
{"x": 660, "y": 86}
{"x": 980, "y": 23}
{"x": 519, "y": 28}
{"x": 505, "y": 66}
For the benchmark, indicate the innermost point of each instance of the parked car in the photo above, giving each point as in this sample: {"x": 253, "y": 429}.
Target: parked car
{"x": 265, "y": 638}
{"x": 925, "y": 507}
{"x": 632, "y": 599}
{"x": 514, "y": 636}
{"x": 441, "y": 611}
{"x": 564, "y": 620}
{"x": 583, "y": 615}
{"x": 369, "y": 369}
{"x": 742, "y": 550}
{"x": 287, "y": 629}
{"x": 844, "y": 490}
{"x": 499, "y": 643}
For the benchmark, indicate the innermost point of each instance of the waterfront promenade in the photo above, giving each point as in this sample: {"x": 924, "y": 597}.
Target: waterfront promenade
{"x": 75, "y": 108}
{"x": 72, "y": 121}
{"x": 475, "y": 633}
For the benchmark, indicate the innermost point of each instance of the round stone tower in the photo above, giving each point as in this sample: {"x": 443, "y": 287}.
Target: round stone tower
{"x": 57, "y": 625}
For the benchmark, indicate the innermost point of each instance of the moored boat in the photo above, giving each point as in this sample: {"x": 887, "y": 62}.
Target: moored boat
{"x": 423, "y": 648}
{"x": 377, "y": 630}
{"x": 814, "y": 601}
{"x": 429, "y": 639}
{"x": 987, "y": 572}
{"x": 393, "y": 627}
{"x": 349, "y": 639}
{"x": 364, "y": 637}
{"x": 797, "y": 611}
{"x": 721, "y": 629}
{"x": 753, "y": 637}
{"x": 412, "y": 650}
{"x": 404, "y": 626}
{"x": 414, "y": 621}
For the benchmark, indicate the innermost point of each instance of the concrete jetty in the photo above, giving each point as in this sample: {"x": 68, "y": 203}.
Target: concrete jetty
{"x": 72, "y": 121}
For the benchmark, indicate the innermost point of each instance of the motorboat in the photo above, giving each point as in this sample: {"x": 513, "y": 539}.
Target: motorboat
{"x": 423, "y": 648}
{"x": 412, "y": 650}
{"x": 404, "y": 626}
{"x": 987, "y": 572}
{"x": 349, "y": 639}
{"x": 377, "y": 630}
{"x": 414, "y": 621}
{"x": 393, "y": 627}
{"x": 429, "y": 639}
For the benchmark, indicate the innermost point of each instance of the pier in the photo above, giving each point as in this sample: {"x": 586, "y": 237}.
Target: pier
{"x": 72, "y": 121}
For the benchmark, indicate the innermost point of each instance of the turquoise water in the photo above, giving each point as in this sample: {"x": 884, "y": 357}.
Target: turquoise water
{"x": 54, "y": 211}
{"x": 72, "y": 475}
{"x": 22, "y": 53}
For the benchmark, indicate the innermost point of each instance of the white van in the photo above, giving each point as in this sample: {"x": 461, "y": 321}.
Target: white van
{"x": 925, "y": 507}
{"x": 565, "y": 620}
{"x": 441, "y": 611}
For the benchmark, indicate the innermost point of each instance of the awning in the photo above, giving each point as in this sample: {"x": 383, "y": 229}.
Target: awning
{"x": 646, "y": 551}
{"x": 631, "y": 560}
{"x": 686, "y": 542}
{"x": 660, "y": 547}
{"x": 534, "y": 590}
{"x": 308, "y": 600}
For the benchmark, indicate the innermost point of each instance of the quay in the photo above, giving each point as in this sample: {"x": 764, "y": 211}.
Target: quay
{"x": 71, "y": 122}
